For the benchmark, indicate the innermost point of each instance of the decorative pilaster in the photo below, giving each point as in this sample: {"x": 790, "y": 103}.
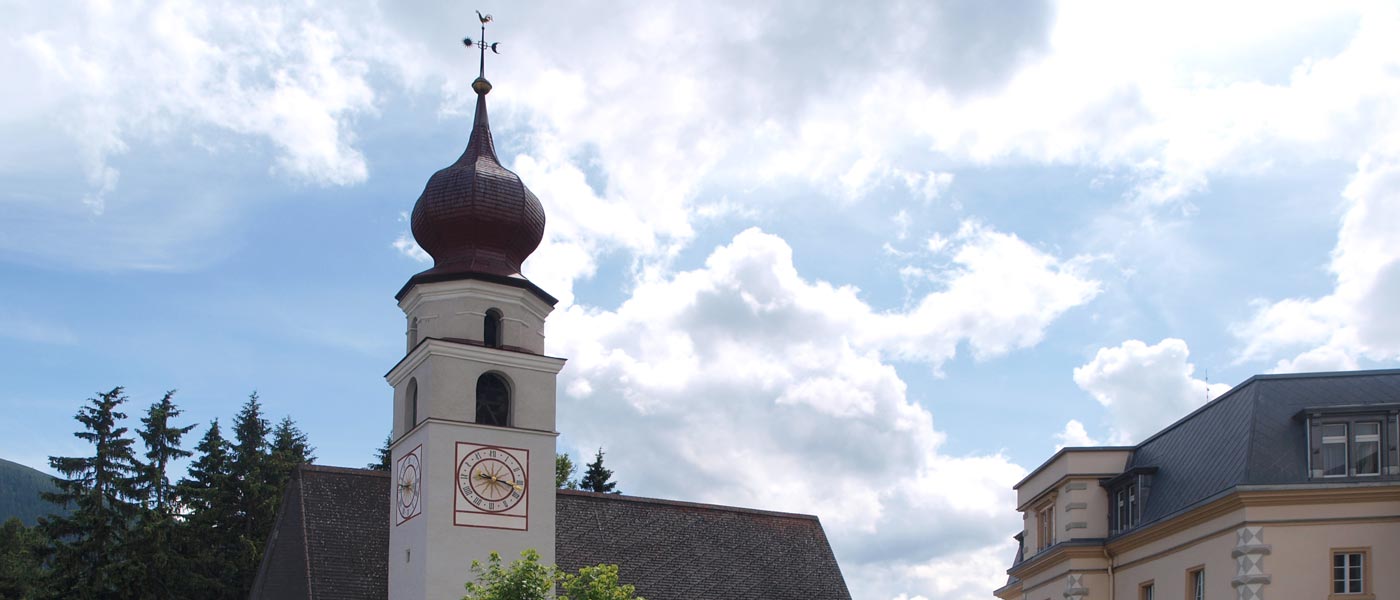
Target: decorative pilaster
{"x": 1249, "y": 554}
{"x": 1074, "y": 587}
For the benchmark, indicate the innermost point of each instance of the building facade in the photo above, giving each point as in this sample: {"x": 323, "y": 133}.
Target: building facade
{"x": 1287, "y": 486}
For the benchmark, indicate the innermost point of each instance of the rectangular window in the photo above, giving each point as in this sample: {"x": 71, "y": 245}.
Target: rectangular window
{"x": 1046, "y": 519}
{"x": 1334, "y": 450}
{"x": 1122, "y": 509}
{"x": 1145, "y": 592}
{"x": 1196, "y": 584}
{"x": 1367, "y": 448}
{"x": 1132, "y": 506}
{"x": 1348, "y": 572}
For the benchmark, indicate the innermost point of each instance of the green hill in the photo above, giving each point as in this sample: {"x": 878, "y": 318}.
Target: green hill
{"x": 19, "y": 493}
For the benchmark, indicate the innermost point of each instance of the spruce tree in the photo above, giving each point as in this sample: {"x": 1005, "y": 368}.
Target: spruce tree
{"x": 88, "y": 551}
{"x": 255, "y": 501}
{"x": 157, "y": 562}
{"x": 210, "y": 537}
{"x": 564, "y": 472}
{"x": 383, "y": 455}
{"x": 21, "y": 568}
{"x": 289, "y": 449}
{"x": 598, "y": 478}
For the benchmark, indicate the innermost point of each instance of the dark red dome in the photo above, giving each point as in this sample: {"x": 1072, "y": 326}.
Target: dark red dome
{"x": 475, "y": 216}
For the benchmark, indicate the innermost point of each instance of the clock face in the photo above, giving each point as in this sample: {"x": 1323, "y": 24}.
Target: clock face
{"x": 408, "y": 484}
{"x": 491, "y": 479}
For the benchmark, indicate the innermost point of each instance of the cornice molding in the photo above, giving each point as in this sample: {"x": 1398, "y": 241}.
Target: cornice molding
{"x": 481, "y": 354}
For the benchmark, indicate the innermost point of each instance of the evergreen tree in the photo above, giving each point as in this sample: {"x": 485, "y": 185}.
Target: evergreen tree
{"x": 382, "y": 455}
{"x": 289, "y": 449}
{"x": 21, "y": 568}
{"x": 255, "y": 498}
{"x": 87, "y": 552}
{"x": 564, "y": 472}
{"x": 157, "y": 562}
{"x": 210, "y": 536}
{"x": 598, "y": 478}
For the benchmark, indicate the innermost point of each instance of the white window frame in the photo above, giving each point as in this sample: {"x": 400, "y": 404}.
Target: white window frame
{"x": 1358, "y": 439}
{"x": 1334, "y": 439}
{"x": 1348, "y": 553}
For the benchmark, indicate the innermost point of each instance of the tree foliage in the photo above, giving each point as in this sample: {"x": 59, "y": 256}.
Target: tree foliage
{"x": 564, "y": 470}
{"x": 88, "y": 548}
{"x": 133, "y": 534}
{"x": 598, "y": 478}
{"x": 382, "y": 455}
{"x": 528, "y": 579}
{"x": 21, "y": 565}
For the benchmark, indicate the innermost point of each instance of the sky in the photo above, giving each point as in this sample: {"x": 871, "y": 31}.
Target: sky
{"x": 873, "y": 262}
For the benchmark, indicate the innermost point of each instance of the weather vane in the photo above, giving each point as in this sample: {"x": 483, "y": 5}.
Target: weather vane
{"x": 483, "y": 46}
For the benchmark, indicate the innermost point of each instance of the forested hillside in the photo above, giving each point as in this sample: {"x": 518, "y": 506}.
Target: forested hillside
{"x": 19, "y": 493}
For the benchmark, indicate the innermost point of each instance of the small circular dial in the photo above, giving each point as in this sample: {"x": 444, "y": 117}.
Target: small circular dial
{"x": 409, "y": 474}
{"x": 491, "y": 479}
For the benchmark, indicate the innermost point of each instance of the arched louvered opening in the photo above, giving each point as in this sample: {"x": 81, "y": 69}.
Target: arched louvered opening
{"x": 492, "y": 400}
{"x": 491, "y": 329}
{"x": 412, "y": 332}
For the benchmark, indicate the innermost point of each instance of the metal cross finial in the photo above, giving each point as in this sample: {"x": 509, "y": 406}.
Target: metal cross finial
{"x": 481, "y": 43}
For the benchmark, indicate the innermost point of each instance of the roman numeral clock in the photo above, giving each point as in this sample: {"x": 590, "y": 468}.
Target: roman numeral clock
{"x": 492, "y": 484}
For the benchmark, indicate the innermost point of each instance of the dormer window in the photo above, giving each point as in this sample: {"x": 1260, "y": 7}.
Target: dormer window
{"x": 1126, "y": 494}
{"x": 1352, "y": 441}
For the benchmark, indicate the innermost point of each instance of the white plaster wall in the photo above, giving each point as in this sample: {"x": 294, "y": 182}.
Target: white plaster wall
{"x": 456, "y": 309}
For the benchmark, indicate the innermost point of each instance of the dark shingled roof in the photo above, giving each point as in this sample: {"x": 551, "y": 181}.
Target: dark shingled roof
{"x": 1248, "y": 436}
{"x": 332, "y": 541}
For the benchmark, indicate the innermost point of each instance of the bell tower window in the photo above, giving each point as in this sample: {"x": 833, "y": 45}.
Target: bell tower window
{"x": 411, "y": 405}
{"x": 412, "y": 332}
{"x": 492, "y": 400}
{"x": 491, "y": 329}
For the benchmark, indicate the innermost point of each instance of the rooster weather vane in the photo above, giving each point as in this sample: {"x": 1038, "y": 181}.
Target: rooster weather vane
{"x": 481, "y": 85}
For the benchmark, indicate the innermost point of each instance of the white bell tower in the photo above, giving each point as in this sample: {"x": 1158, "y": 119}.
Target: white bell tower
{"x": 474, "y": 396}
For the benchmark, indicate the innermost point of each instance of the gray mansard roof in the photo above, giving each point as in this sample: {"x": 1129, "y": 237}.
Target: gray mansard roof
{"x": 1249, "y": 436}
{"x": 331, "y": 541}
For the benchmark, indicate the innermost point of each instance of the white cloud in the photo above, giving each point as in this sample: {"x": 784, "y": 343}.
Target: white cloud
{"x": 1357, "y": 320}
{"x": 1074, "y": 435}
{"x": 292, "y": 74}
{"x": 744, "y": 383}
{"x": 1145, "y": 388}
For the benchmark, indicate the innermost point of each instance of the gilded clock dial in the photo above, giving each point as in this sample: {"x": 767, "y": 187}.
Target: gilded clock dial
{"x": 491, "y": 479}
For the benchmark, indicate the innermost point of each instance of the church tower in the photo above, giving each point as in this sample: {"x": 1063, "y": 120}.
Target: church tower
{"x": 474, "y": 396}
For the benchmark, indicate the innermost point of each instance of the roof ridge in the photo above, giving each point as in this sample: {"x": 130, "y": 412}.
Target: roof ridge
{"x": 684, "y": 504}
{"x": 343, "y": 470}
{"x": 1319, "y": 374}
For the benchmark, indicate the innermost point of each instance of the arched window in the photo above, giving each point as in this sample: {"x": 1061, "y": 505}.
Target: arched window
{"x": 492, "y": 400}
{"x": 412, "y": 332}
{"x": 411, "y": 404}
{"x": 491, "y": 329}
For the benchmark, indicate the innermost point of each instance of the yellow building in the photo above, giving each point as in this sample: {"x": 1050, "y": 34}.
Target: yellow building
{"x": 1286, "y": 487}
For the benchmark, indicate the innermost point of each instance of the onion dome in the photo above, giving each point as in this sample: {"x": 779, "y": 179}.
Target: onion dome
{"x": 475, "y": 217}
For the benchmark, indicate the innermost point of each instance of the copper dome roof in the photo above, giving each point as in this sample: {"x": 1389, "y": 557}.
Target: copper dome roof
{"x": 475, "y": 217}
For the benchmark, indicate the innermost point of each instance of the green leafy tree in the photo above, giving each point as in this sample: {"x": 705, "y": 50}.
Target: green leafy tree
{"x": 88, "y": 550}
{"x": 524, "y": 579}
{"x": 598, "y": 478}
{"x": 210, "y": 536}
{"x": 21, "y": 566}
{"x": 564, "y": 472}
{"x": 382, "y": 455}
{"x": 595, "y": 583}
{"x": 157, "y": 563}
{"x": 527, "y": 579}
